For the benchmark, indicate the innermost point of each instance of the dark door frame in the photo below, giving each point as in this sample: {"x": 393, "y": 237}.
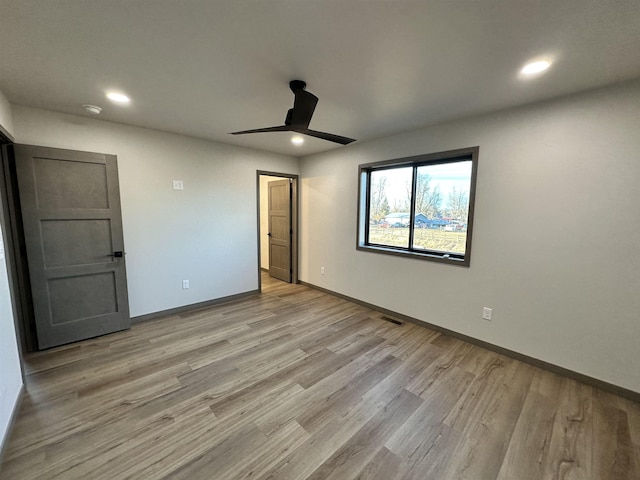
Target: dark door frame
{"x": 12, "y": 258}
{"x": 294, "y": 221}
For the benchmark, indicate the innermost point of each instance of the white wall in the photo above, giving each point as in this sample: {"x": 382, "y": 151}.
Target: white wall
{"x": 555, "y": 241}
{"x": 205, "y": 233}
{"x": 264, "y": 219}
{"x": 10, "y": 373}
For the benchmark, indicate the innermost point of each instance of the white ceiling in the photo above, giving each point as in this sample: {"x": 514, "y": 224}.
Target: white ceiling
{"x": 206, "y": 68}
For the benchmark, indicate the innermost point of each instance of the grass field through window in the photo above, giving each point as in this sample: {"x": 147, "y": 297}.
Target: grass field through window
{"x": 424, "y": 238}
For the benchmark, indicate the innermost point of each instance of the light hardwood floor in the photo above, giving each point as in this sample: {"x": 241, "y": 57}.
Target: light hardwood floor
{"x": 297, "y": 384}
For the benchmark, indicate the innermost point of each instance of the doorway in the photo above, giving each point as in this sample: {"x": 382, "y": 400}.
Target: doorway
{"x": 277, "y": 249}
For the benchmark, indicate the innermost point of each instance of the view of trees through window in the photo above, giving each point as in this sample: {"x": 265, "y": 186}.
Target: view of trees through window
{"x": 440, "y": 206}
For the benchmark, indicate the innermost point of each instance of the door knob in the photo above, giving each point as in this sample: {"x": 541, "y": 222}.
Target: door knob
{"x": 115, "y": 254}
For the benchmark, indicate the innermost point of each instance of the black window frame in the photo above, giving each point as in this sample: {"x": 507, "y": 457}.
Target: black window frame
{"x": 364, "y": 198}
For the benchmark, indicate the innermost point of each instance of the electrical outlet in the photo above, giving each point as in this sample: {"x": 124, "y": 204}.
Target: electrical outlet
{"x": 486, "y": 313}
{"x": 321, "y": 270}
{"x": 178, "y": 185}
{"x": 185, "y": 284}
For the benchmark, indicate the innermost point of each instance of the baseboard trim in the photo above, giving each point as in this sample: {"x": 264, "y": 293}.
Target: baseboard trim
{"x": 565, "y": 372}
{"x": 12, "y": 420}
{"x": 193, "y": 306}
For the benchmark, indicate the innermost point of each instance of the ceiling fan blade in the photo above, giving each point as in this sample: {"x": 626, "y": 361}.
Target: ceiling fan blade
{"x": 281, "y": 128}
{"x": 303, "y": 107}
{"x": 325, "y": 136}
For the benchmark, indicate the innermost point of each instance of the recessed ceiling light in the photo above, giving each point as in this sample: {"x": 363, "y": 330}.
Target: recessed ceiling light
{"x": 535, "y": 67}
{"x": 93, "y": 109}
{"x": 297, "y": 140}
{"x": 120, "y": 98}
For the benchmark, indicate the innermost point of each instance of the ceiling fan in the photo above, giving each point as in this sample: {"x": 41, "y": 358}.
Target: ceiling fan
{"x": 299, "y": 116}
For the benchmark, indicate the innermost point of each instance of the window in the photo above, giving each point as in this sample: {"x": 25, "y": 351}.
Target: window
{"x": 419, "y": 206}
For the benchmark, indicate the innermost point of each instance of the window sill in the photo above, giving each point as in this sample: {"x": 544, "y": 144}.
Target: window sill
{"x": 429, "y": 256}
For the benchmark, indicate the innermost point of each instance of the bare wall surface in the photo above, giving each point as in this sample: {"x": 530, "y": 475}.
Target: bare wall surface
{"x": 556, "y": 232}
{"x": 10, "y": 373}
{"x": 205, "y": 233}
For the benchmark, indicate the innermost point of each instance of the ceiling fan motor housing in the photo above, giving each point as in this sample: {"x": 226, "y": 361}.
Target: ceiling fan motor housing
{"x": 296, "y": 85}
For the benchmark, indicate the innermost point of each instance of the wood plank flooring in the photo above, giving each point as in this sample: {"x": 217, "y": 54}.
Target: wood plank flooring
{"x": 297, "y": 384}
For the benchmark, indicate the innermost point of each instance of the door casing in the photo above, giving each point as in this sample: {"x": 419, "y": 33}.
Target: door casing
{"x": 294, "y": 221}
{"x": 8, "y": 230}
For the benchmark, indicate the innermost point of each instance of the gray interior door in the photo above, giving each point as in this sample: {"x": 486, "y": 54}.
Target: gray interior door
{"x": 70, "y": 204}
{"x": 280, "y": 229}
